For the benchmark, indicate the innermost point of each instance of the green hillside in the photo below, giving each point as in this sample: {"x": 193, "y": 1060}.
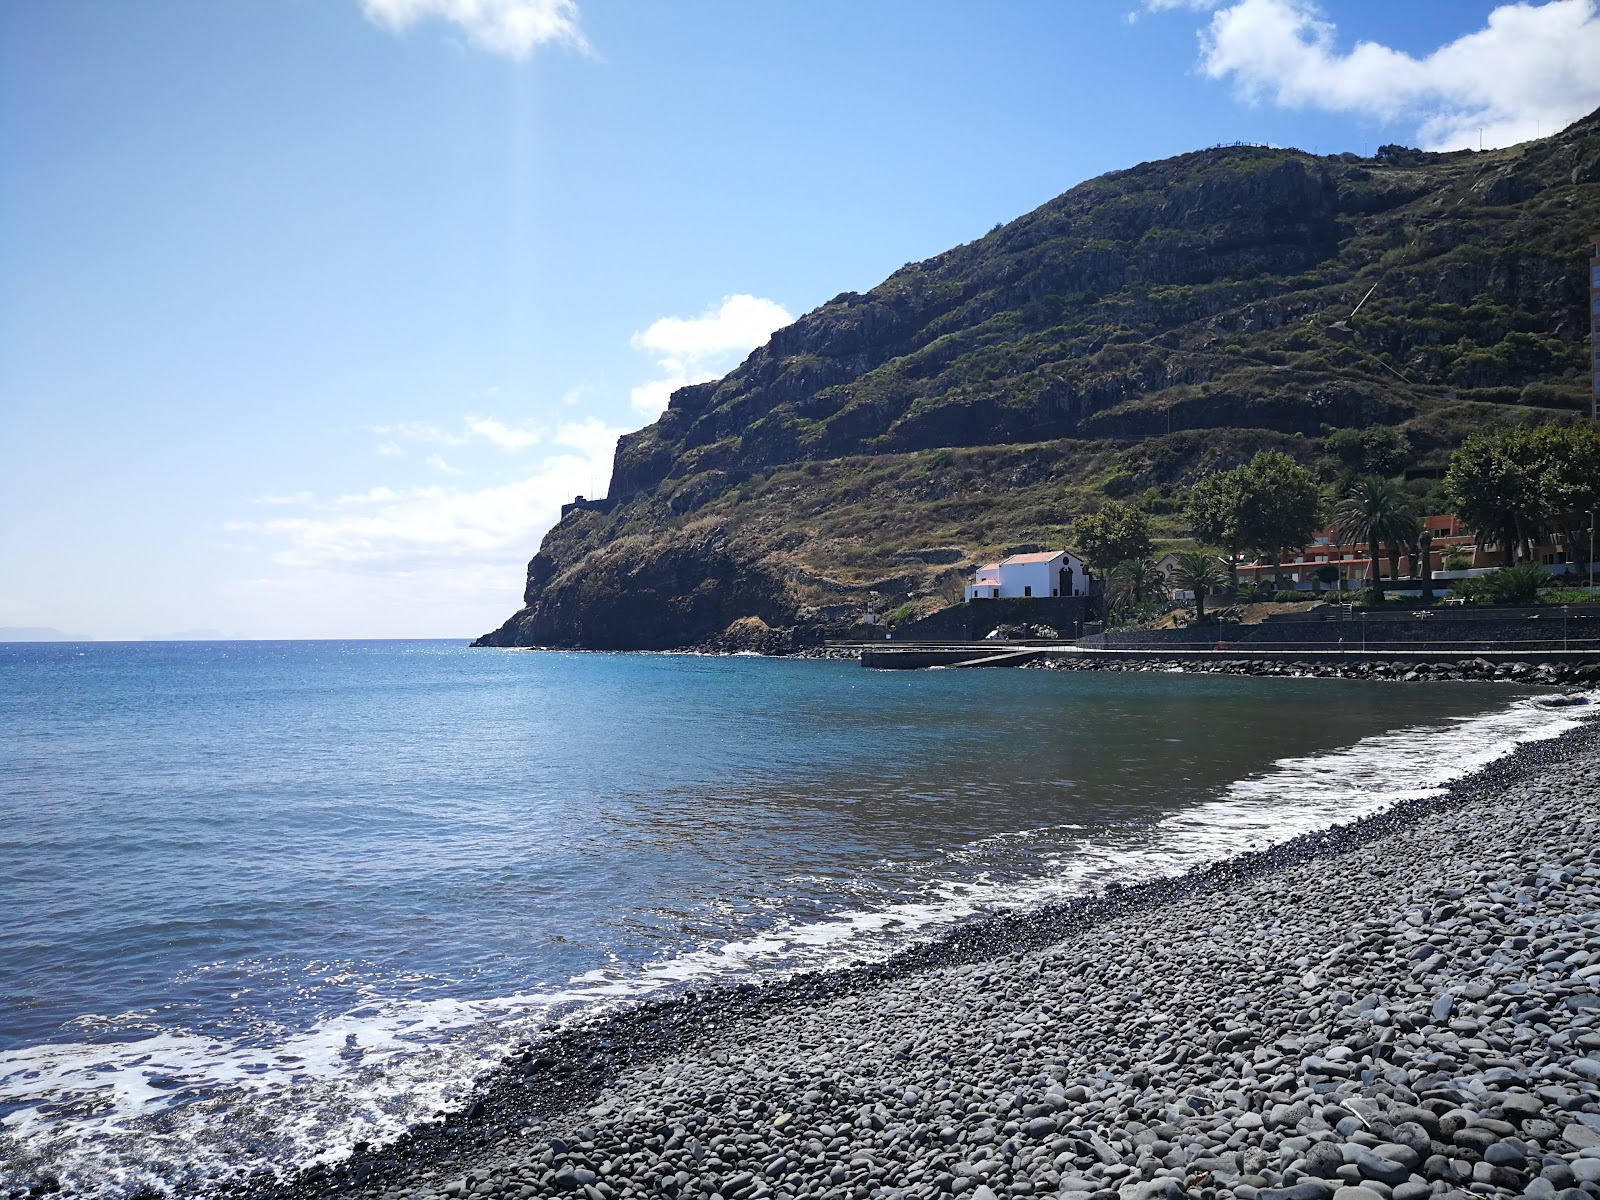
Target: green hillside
{"x": 1125, "y": 339}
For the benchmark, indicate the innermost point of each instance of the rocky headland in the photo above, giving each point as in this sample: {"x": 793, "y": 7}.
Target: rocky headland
{"x": 1398, "y": 1008}
{"x": 1123, "y": 340}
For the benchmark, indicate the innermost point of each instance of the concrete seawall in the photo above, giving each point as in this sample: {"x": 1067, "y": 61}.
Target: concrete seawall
{"x": 913, "y": 657}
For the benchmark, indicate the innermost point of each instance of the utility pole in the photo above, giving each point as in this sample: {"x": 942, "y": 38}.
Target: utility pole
{"x": 1594, "y": 329}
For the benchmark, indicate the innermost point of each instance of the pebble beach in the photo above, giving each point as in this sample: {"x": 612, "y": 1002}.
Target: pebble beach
{"x": 1397, "y": 1008}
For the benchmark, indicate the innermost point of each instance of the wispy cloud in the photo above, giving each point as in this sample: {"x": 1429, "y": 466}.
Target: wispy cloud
{"x": 1530, "y": 69}
{"x": 438, "y": 463}
{"x": 505, "y": 436}
{"x": 694, "y": 349}
{"x": 444, "y": 538}
{"x": 286, "y": 498}
{"x": 488, "y": 429}
{"x": 514, "y": 28}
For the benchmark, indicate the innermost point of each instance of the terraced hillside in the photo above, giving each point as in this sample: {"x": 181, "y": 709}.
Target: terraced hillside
{"x": 1139, "y": 331}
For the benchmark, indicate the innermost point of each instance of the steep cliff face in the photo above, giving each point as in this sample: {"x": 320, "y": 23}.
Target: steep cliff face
{"x": 1127, "y": 337}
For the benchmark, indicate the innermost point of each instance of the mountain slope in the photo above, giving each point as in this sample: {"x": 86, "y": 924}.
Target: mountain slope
{"x": 1126, "y": 338}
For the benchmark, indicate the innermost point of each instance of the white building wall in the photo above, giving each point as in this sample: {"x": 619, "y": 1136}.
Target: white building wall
{"x": 1032, "y": 579}
{"x": 1029, "y": 579}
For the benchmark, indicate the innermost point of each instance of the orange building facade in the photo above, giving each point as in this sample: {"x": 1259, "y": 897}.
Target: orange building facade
{"x": 1452, "y": 545}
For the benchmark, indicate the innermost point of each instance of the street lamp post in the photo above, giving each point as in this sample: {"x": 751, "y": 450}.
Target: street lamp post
{"x": 1363, "y": 633}
{"x": 1591, "y": 547}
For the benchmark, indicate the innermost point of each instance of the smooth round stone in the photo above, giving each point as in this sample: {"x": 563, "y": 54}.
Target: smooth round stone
{"x": 1585, "y": 1170}
{"x": 1580, "y": 1136}
{"x": 1502, "y": 1155}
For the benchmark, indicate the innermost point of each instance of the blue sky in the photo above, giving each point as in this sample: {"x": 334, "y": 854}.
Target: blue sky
{"x": 312, "y": 311}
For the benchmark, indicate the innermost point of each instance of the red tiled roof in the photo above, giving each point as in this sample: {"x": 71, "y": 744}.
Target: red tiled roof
{"x": 1032, "y": 558}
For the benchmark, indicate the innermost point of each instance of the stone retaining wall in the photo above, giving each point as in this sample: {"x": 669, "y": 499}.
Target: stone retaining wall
{"x": 1546, "y": 629}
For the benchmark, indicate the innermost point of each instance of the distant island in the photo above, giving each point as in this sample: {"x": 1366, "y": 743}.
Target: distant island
{"x": 47, "y": 633}
{"x": 194, "y": 635}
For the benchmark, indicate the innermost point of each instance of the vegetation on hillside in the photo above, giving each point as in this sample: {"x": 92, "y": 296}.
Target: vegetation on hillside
{"x": 1123, "y": 343}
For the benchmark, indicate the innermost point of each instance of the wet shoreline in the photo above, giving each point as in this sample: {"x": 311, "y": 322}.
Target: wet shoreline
{"x": 549, "y": 1086}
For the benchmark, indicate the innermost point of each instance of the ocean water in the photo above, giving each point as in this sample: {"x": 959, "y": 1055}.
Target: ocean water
{"x": 264, "y": 900}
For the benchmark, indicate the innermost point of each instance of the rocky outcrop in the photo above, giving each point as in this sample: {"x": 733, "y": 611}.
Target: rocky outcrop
{"x": 1144, "y": 326}
{"x": 657, "y": 598}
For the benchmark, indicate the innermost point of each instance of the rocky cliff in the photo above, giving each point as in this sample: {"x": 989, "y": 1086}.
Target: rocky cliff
{"x": 1126, "y": 338}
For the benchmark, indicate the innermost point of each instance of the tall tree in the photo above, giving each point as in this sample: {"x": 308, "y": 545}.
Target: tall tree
{"x": 1498, "y": 486}
{"x": 1117, "y": 533}
{"x": 1199, "y": 573}
{"x": 1568, "y": 458}
{"x": 1280, "y": 508}
{"x": 1214, "y": 512}
{"x": 1378, "y": 512}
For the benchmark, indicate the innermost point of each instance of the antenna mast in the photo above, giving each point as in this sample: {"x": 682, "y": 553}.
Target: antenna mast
{"x": 1594, "y": 328}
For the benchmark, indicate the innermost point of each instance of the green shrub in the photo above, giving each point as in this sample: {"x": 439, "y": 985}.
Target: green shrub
{"x": 1118, "y": 484}
{"x": 1288, "y": 597}
{"x": 1517, "y": 584}
{"x": 1570, "y": 596}
{"x": 904, "y": 613}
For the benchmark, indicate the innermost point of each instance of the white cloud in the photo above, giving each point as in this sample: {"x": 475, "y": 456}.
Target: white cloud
{"x": 448, "y": 541}
{"x": 509, "y": 27}
{"x": 444, "y": 468}
{"x": 378, "y": 495}
{"x": 288, "y": 498}
{"x": 503, "y": 435}
{"x": 489, "y": 429}
{"x": 1530, "y": 70}
{"x": 695, "y": 349}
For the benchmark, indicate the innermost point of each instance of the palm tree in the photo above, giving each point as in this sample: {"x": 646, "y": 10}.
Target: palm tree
{"x": 1198, "y": 572}
{"x": 1517, "y": 584}
{"x": 1375, "y": 511}
{"x": 1133, "y": 582}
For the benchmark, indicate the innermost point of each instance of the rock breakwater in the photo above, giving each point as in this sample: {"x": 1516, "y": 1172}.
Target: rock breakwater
{"x": 1410, "y": 1012}
{"x": 1403, "y": 670}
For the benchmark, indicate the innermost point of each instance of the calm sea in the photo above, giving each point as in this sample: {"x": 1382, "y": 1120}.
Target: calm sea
{"x": 262, "y": 900}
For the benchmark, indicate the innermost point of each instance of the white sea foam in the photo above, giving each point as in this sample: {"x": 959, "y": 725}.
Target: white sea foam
{"x": 180, "y": 1106}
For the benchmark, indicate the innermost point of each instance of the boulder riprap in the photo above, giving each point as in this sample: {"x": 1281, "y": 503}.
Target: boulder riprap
{"x": 1412, "y": 1015}
{"x": 1392, "y": 670}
